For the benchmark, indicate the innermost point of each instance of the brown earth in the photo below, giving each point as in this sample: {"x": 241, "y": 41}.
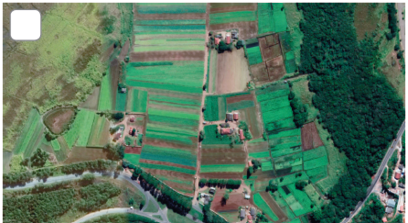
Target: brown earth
{"x": 222, "y": 156}
{"x": 274, "y": 206}
{"x": 245, "y": 97}
{"x": 247, "y": 30}
{"x": 232, "y": 204}
{"x": 178, "y": 187}
{"x": 80, "y": 154}
{"x": 310, "y": 137}
{"x": 166, "y": 163}
{"x": 92, "y": 101}
{"x": 115, "y": 76}
{"x": 276, "y": 72}
{"x": 191, "y": 55}
{"x": 232, "y": 7}
{"x": 124, "y": 50}
{"x": 269, "y": 52}
{"x": 232, "y": 72}
{"x": 169, "y": 174}
{"x": 58, "y": 120}
{"x": 162, "y": 143}
{"x": 133, "y": 150}
{"x": 258, "y": 147}
{"x": 259, "y": 72}
{"x": 272, "y": 40}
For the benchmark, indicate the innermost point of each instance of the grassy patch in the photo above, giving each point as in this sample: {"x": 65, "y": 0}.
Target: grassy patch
{"x": 222, "y": 168}
{"x": 132, "y": 158}
{"x": 260, "y": 202}
{"x": 105, "y": 96}
{"x": 151, "y": 208}
{"x": 229, "y": 17}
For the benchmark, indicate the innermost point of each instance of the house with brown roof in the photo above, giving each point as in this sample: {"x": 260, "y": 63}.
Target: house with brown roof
{"x": 217, "y": 40}
{"x": 132, "y": 118}
{"x": 235, "y": 116}
{"x": 241, "y": 135}
{"x": 228, "y": 40}
{"x": 226, "y": 131}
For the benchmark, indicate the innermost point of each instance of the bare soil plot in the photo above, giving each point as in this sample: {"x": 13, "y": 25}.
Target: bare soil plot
{"x": 57, "y": 120}
{"x": 247, "y": 30}
{"x": 269, "y": 51}
{"x": 124, "y": 50}
{"x": 272, "y": 40}
{"x": 232, "y": 204}
{"x": 133, "y": 150}
{"x": 169, "y": 174}
{"x": 115, "y": 75}
{"x": 245, "y": 97}
{"x": 191, "y": 55}
{"x": 259, "y": 72}
{"x": 92, "y": 100}
{"x": 231, "y": 7}
{"x": 258, "y": 147}
{"x": 310, "y": 137}
{"x": 232, "y": 72}
{"x": 166, "y": 163}
{"x": 80, "y": 154}
{"x": 222, "y": 156}
{"x": 276, "y": 69}
{"x": 274, "y": 206}
{"x": 167, "y": 144}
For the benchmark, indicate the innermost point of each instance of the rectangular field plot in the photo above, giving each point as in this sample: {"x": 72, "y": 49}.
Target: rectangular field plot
{"x": 132, "y": 158}
{"x": 229, "y": 17}
{"x": 317, "y": 173}
{"x": 179, "y": 76}
{"x": 271, "y": 18}
{"x": 81, "y": 127}
{"x": 222, "y": 168}
{"x": 170, "y": 8}
{"x": 260, "y": 202}
{"x": 301, "y": 203}
{"x": 314, "y": 153}
{"x": 30, "y": 134}
{"x": 121, "y": 101}
{"x": 137, "y": 101}
{"x": 287, "y": 133}
{"x": 215, "y": 108}
{"x": 259, "y": 154}
{"x": 274, "y": 94}
{"x": 292, "y": 178}
{"x": 169, "y": 168}
{"x": 105, "y": 96}
{"x": 266, "y": 166}
{"x": 170, "y": 155}
{"x": 311, "y": 164}
{"x": 99, "y": 136}
{"x": 254, "y": 55}
{"x": 171, "y": 22}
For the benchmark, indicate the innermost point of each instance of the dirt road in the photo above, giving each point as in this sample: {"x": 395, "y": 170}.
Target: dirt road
{"x": 400, "y": 9}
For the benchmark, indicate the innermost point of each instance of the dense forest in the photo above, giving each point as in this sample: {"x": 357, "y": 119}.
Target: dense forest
{"x": 360, "y": 110}
{"x": 372, "y": 211}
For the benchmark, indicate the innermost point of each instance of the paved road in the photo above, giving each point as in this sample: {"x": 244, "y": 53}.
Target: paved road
{"x": 116, "y": 211}
{"x": 400, "y": 9}
{"x": 379, "y": 171}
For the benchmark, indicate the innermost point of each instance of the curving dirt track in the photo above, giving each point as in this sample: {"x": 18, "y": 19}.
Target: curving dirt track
{"x": 194, "y": 55}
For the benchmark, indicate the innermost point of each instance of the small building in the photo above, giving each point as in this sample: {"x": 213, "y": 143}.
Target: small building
{"x": 234, "y": 34}
{"x": 389, "y": 210}
{"x": 130, "y": 131}
{"x": 247, "y": 196}
{"x": 250, "y": 163}
{"x": 226, "y": 131}
{"x": 228, "y": 40}
{"x": 132, "y": 119}
{"x": 117, "y": 136}
{"x": 229, "y": 117}
{"x": 241, "y": 135}
{"x": 235, "y": 116}
{"x": 384, "y": 219}
{"x": 401, "y": 185}
{"x": 391, "y": 203}
{"x": 242, "y": 213}
{"x": 207, "y": 200}
{"x": 402, "y": 208}
{"x": 252, "y": 211}
{"x": 123, "y": 90}
{"x": 217, "y": 41}
{"x": 397, "y": 176}
{"x": 401, "y": 167}
{"x": 212, "y": 190}
{"x": 249, "y": 217}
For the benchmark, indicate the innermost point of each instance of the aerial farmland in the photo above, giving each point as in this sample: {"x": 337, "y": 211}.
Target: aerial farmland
{"x": 204, "y": 112}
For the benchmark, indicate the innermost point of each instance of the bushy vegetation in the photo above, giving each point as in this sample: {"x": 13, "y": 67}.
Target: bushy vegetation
{"x": 372, "y": 211}
{"x": 39, "y": 158}
{"x": 299, "y": 109}
{"x": 392, "y": 21}
{"x": 358, "y": 108}
{"x": 229, "y": 184}
{"x": 95, "y": 195}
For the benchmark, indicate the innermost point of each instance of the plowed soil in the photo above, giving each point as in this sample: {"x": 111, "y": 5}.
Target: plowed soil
{"x": 80, "y": 154}
{"x": 274, "y": 206}
{"x": 246, "y": 97}
{"x": 166, "y": 163}
{"x": 259, "y": 72}
{"x": 247, "y": 30}
{"x": 232, "y": 7}
{"x": 310, "y": 137}
{"x": 269, "y": 51}
{"x": 133, "y": 150}
{"x": 272, "y": 40}
{"x": 169, "y": 174}
{"x": 232, "y": 204}
{"x": 194, "y": 55}
{"x": 58, "y": 119}
{"x": 222, "y": 156}
{"x": 277, "y": 69}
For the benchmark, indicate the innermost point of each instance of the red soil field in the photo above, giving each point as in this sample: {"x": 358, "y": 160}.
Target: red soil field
{"x": 166, "y": 163}
{"x": 133, "y": 150}
{"x": 232, "y": 7}
{"x": 235, "y": 200}
{"x": 246, "y": 97}
{"x": 191, "y": 55}
{"x": 310, "y": 137}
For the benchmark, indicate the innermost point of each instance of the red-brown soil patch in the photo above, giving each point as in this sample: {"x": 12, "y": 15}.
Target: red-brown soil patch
{"x": 80, "y": 154}
{"x": 259, "y": 72}
{"x": 247, "y": 30}
{"x": 245, "y": 97}
{"x": 272, "y": 40}
{"x": 133, "y": 150}
{"x": 124, "y": 50}
{"x": 232, "y": 7}
{"x": 269, "y": 50}
{"x": 222, "y": 156}
{"x": 277, "y": 69}
{"x": 115, "y": 75}
{"x": 168, "y": 144}
{"x": 166, "y": 163}
{"x": 274, "y": 206}
{"x": 310, "y": 137}
{"x": 232, "y": 204}
{"x": 191, "y": 55}
{"x": 57, "y": 120}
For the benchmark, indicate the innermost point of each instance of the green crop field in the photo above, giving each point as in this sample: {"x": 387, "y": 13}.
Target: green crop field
{"x": 259, "y": 154}
{"x": 181, "y": 76}
{"x": 55, "y": 145}
{"x": 317, "y": 173}
{"x": 281, "y": 124}
{"x": 277, "y": 114}
{"x": 292, "y": 132}
{"x": 274, "y": 104}
{"x": 213, "y": 110}
{"x": 212, "y": 137}
{"x": 283, "y": 140}
{"x": 170, "y": 137}
{"x": 267, "y": 166}
{"x": 240, "y": 105}
{"x": 311, "y": 164}
{"x": 229, "y": 17}
{"x": 86, "y": 128}
{"x": 80, "y": 127}
{"x": 254, "y": 55}
{"x": 121, "y": 101}
{"x": 173, "y": 114}
{"x": 171, "y": 22}
{"x": 171, "y": 120}
{"x": 173, "y": 100}
{"x": 285, "y": 151}
{"x": 132, "y": 158}
{"x": 314, "y": 153}
{"x": 171, "y": 8}
{"x": 260, "y": 202}
{"x": 171, "y": 155}
{"x": 29, "y": 135}
{"x": 291, "y": 179}
{"x": 99, "y": 136}
{"x": 138, "y": 101}
{"x": 168, "y": 168}
{"x": 105, "y": 95}
{"x": 274, "y": 94}
{"x": 303, "y": 200}
{"x": 313, "y": 195}
{"x": 222, "y": 168}
{"x": 271, "y": 18}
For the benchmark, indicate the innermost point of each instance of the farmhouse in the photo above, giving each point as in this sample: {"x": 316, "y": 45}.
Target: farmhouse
{"x": 242, "y": 213}
{"x": 217, "y": 41}
{"x": 226, "y": 131}
{"x": 241, "y": 135}
{"x": 228, "y": 39}
{"x": 391, "y": 203}
{"x": 130, "y": 131}
{"x": 397, "y": 176}
{"x": 235, "y": 116}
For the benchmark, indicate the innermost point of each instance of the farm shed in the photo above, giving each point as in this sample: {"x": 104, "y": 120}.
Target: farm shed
{"x": 241, "y": 134}
{"x": 388, "y": 210}
{"x": 236, "y": 116}
{"x": 247, "y": 196}
{"x": 401, "y": 167}
{"x": 217, "y": 41}
{"x": 228, "y": 40}
{"x": 226, "y": 131}
{"x": 242, "y": 214}
{"x": 391, "y": 203}
{"x": 397, "y": 176}
{"x": 253, "y": 212}
{"x": 132, "y": 118}
{"x": 229, "y": 117}
{"x": 401, "y": 185}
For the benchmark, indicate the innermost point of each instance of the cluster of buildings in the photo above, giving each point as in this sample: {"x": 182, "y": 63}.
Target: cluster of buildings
{"x": 229, "y": 36}
{"x": 231, "y": 117}
{"x": 251, "y": 216}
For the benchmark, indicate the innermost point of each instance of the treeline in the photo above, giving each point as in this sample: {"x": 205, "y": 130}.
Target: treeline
{"x": 166, "y": 195}
{"x": 122, "y": 218}
{"x": 360, "y": 109}
{"x": 20, "y": 178}
{"x": 392, "y": 21}
{"x": 299, "y": 109}
{"x": 229, "y": 184}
